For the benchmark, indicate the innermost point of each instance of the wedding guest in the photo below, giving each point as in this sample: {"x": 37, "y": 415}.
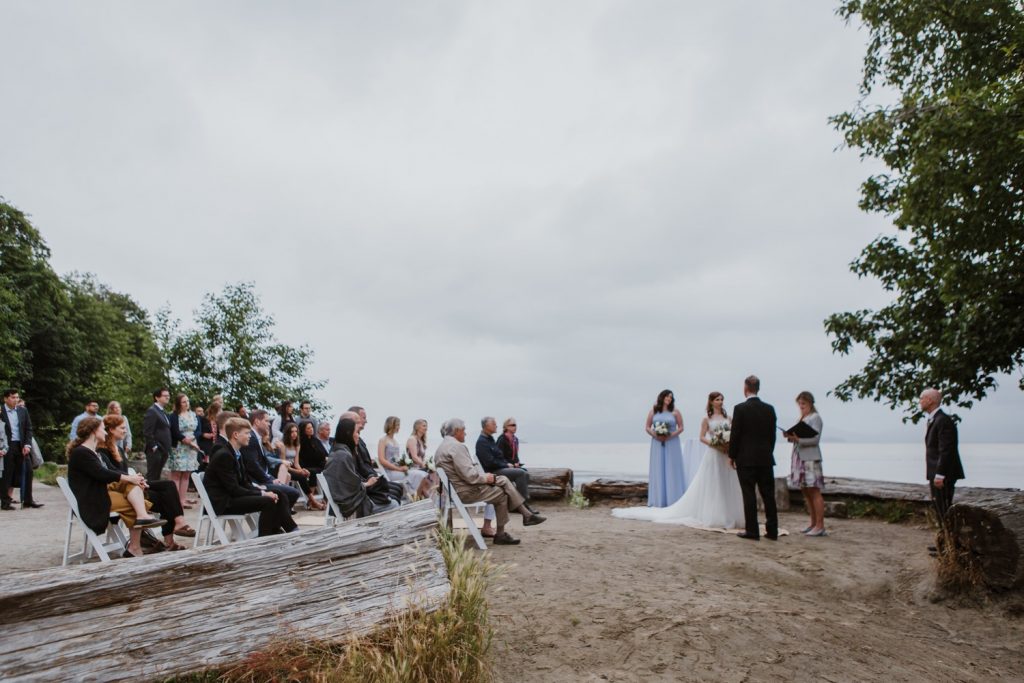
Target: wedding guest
{"x": 323, "y": 438}
{"x": 284, "y": 418}
{"x": 242, "y": 411}
{"x": 306, "y": 414}
{"x": 208, "y": 434}
{"x": 347, "y": 487}
{"x": 156, "y": 427}
{"x": 114, "y": 408}
{"x": 474, "y": 485}
{"x": 805, "y": 470}
{"x": 312, "y": 454}
{"x": 288, "y": 451}
{"x": 490, "y": 457}
{"x": 91, "y": 410}
{"x": 257, "y": 464}
{"x": 363, "y": 460}
{"x": 381, "y": 491}
{"x": 100, "y": 491}
{"x": 416, "y": 450}
{"x": 942, "y": 454}
{"x": 183, "y": 460}
{"x": 508, "y": 442}
{"x": 17, "y": 466}
{"x": 232, "y": 492}
{"x": 389, "y": 457}
{"x": 666, "y": 481}
{"x": 162, "y": 494}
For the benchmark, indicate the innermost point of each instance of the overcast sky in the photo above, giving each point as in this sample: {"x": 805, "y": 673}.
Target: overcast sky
{"x": 548, "y": 209}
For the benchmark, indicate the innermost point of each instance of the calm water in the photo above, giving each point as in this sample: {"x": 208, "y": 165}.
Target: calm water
{"x": 989, "y": 464}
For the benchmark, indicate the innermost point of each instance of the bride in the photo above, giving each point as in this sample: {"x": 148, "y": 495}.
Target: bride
{"x": 713, "y": 499}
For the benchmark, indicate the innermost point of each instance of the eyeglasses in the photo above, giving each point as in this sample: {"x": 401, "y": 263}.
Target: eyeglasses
{"x": 513, "y": 425}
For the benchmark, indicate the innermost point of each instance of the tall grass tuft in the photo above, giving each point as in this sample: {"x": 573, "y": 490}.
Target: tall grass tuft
{"x": 48, "y": 472}
{"x": 449, "y": 645}
{"x": 957, "y": 569}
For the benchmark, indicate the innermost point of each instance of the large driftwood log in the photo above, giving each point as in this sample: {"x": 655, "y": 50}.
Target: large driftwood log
{"x": 549, "y": 482}
{"x": 614, "y": 489}
{"x": 991, "y": 529}
{"x": 171, "y": 613}
{"x": 843, "y": 487}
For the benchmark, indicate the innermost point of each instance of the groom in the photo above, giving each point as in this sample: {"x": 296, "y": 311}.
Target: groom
{"x": 750, "y": 454}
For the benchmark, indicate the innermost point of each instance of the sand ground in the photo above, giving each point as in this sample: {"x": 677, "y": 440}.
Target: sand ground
{"x": 588, "y": 597}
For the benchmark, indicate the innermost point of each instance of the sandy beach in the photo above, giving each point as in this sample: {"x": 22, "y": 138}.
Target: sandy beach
{"x": 588, "y": 597}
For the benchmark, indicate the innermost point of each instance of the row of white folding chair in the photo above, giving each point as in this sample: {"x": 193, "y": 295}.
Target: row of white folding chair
{"x": 332, "y": 511}
{"x": 450, "y": 499}
{"x": 225, "y": 528}
{"x": 114, "y": 543}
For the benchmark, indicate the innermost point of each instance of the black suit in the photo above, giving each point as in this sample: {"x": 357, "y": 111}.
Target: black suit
{"x": 232, "y": 492}
{"x": 17, "y": 467}
{"x": 156, "y": 427}
{"x": 88, "y": 479}
{"x": 258, "y": 468}
{"x": 942, "y": 457}
{"x": 492, "y": 459}
{"x": 751, "y": 447}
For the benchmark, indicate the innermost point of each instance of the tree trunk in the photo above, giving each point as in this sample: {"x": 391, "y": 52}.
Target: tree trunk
{"x": 546, "y": 482}
{"x": 991, "y": 530}
{"x": 168, "y": 614}
{"x": 614, "y": 489}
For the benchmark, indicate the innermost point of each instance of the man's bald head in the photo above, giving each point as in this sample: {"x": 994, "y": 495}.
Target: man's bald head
{"x": 930, "y": 399}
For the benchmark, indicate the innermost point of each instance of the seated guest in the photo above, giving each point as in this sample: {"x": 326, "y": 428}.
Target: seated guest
{"x": 474, "y": 485}
{"x": 416, "y": 450}
{"x": 381, "y": 491}
{"x": 493, "y": 460}
{"x": 232, "y": 492}
{"x": 508, "y": 442}
{"x": 257, "y": 464}
{"x": 163, "y": 494}
{"x": 285, "y": 416}
{"x": 389, "y": 458}
{"x": 364, "y": 463}
{"x": 312, "y": 456}
{"x": 348, "y": 489}
{"x": 100, "y": 491}
{"x": 322, "y": 444}
{"x": 288, "y": 451}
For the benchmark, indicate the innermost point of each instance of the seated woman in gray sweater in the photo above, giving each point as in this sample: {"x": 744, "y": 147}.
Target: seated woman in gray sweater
{"x": 347, "y": 487}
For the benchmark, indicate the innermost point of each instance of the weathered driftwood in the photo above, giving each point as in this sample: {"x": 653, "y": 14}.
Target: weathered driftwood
{"x": 549, "y": 482}
{"x": 614, "y": 489}
{"x": 841, "y": 488}
{"x": 991, "y": 528}
{"x": 836, "y": 508}
{"x": 172, "y": 613}
{"x": 781, "y": 495}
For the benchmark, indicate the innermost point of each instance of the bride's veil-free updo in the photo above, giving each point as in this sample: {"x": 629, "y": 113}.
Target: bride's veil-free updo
{"x": 711, "y": 408}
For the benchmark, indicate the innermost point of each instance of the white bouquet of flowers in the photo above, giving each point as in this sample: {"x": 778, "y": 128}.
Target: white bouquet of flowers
{"x": 405, "y": 461}
{"x": 661, "y": 429}
{"x": 720, "y": 436}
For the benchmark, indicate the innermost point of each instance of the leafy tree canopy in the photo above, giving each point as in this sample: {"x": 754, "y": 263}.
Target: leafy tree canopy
{"x": 952, "y": 143}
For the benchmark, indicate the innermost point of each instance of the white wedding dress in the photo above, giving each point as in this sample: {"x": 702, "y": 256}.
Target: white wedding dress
{"x": 713, "y": 500}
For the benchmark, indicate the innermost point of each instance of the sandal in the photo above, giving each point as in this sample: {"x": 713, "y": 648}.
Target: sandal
{"x": 175, "y": 546}
{"x": 185, "y": 531}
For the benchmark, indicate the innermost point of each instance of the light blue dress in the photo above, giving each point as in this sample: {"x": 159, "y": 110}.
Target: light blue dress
{"x": 666, "y": 482}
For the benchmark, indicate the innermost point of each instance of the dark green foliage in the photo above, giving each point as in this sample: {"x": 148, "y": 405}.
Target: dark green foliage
{"x": 892, "y": 512}
{"x": 953, "y": 146}
{"x": 232, "y": 351}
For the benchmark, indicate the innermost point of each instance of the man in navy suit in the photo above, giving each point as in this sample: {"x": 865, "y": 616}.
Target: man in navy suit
{"x": 17, "y": 463}
{"x": 941, "y": 453}
{"x": 751, "y": 449}
{"x": 156, "y": 427}
{"x": 254, "y": 458}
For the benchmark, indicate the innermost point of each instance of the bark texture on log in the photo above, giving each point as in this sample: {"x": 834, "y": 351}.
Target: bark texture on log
{"x": 614, "y": 489}
{"x": 843, "y": 487}
{"x": 991, "y": 528}
{"x": 550, "y": 482}
{"x": 172, "y": 613}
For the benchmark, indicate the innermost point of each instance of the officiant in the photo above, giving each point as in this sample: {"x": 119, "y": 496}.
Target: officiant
{"x": 805, "y": 470}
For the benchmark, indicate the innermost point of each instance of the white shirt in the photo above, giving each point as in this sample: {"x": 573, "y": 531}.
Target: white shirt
{"x": 12, "y": 419}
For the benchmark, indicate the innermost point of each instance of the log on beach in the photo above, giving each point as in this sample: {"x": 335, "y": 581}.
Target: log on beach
{"x": 172, "y": 613}
{"x": 990, "y": 528}
{"x": 550, "y": 482}
{"x": 614, "y": 489}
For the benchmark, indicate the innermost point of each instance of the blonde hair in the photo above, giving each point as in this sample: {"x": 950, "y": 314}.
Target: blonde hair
{"x": 391, "y": 425}
{"x": 235, "y": 425}
{"x": 506, "y": 423}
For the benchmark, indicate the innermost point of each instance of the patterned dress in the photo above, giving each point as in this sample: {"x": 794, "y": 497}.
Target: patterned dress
{"x": 183, "y": 458}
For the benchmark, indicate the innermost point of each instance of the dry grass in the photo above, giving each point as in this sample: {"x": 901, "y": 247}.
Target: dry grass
{"x": 957, "y": 569}
{"x": 451, "y": 644}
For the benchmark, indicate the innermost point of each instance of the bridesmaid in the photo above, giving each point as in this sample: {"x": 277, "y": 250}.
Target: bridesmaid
{"x": 666, "y": 481}
{"x": 805, "y": 470}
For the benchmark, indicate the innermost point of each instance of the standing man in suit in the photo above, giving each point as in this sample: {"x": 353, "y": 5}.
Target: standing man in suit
{"x": 941, "y": 453}
{"x": 751, "y": 455}
{"x": 156, "y": 427}
{"x": 17, "y": 465}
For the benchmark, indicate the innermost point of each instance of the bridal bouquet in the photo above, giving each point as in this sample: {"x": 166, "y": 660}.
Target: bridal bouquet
{"x": 661, "y": 429}
{"x": 405, "y": 461}
{"x": 720, "y": 437}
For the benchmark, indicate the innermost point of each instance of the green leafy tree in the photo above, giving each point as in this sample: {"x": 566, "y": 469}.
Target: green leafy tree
{"x": 232, "y": 351}
{"x": 952, "y": 143}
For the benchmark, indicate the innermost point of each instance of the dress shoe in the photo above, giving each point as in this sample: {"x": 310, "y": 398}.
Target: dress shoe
{"x": 504, "y": 538}
{"x": 533, "y": 520}
{"x": 33, "y": 504}
{"x": 771, "y": 538}
{"x": 749, "y": 537}
{"x": 6, "y": 506}
{"x": 149, "y": 522}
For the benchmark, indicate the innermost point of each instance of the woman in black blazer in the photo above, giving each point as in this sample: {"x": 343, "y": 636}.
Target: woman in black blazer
{"x": 90, "y": 481}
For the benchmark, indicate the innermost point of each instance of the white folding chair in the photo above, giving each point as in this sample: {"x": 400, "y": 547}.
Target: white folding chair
{"x": 331, "y": 506}
{"x": 226, "y": 528}
{"x": 450, "y": 499}
{"x": 115, "y": 541}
